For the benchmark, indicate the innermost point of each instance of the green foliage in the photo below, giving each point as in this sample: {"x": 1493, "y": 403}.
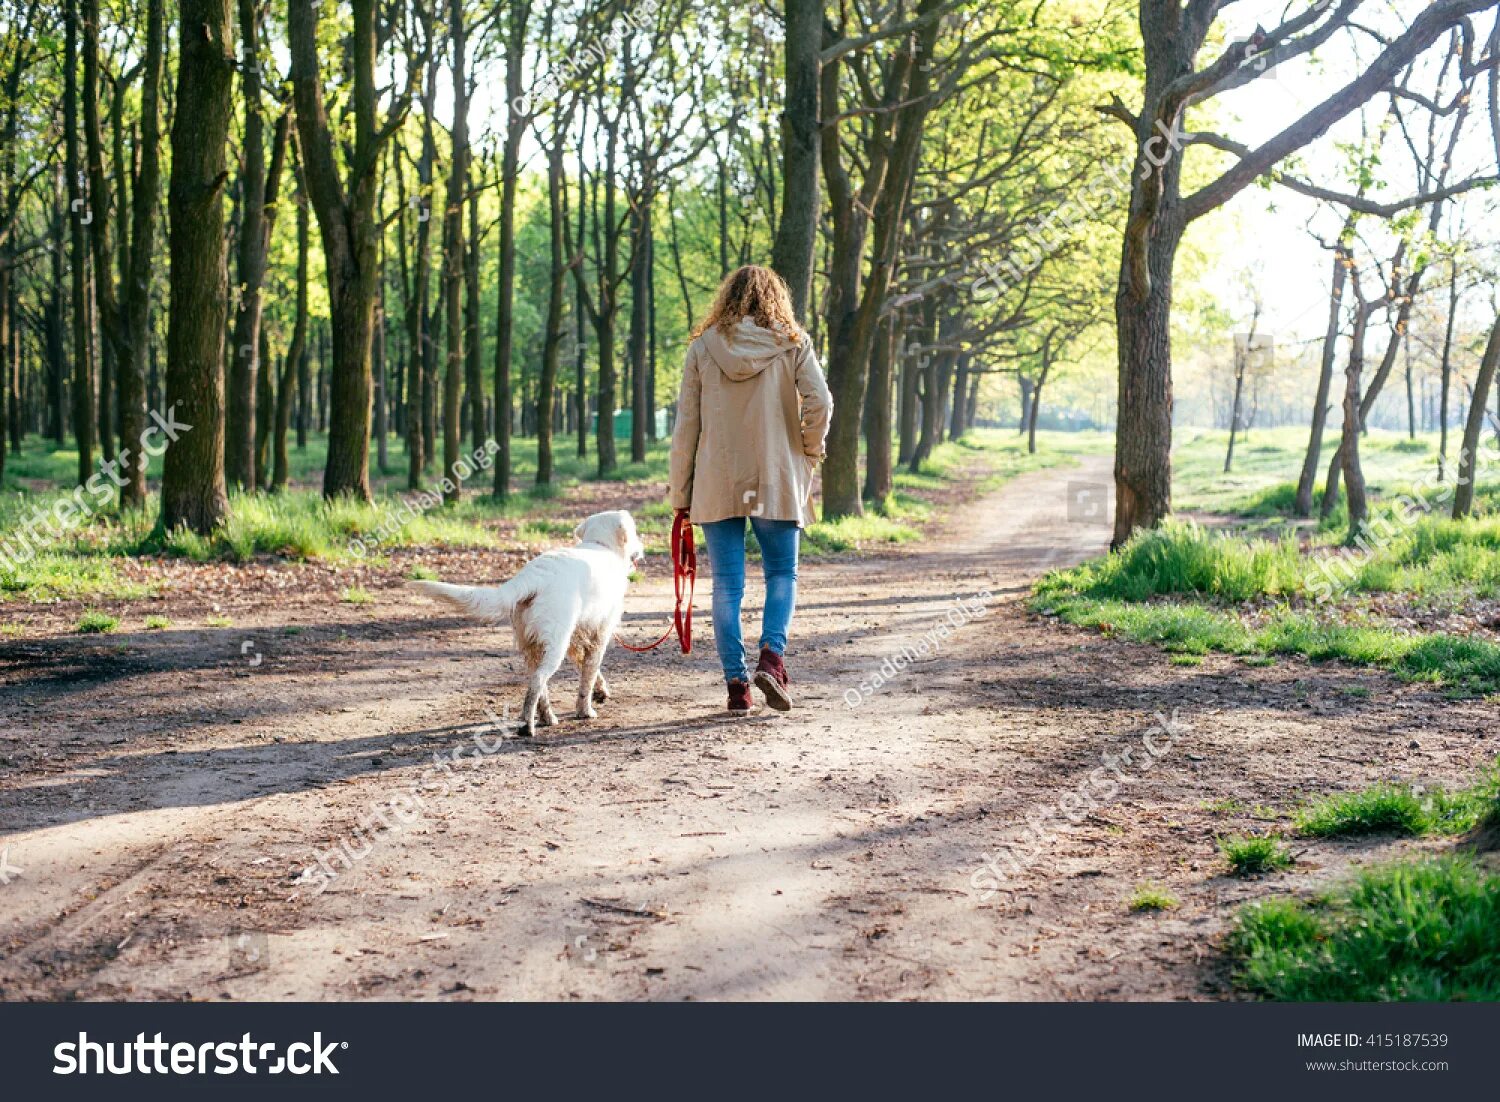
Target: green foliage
{"x": 1401, "y": 810}
{"x": 1427, "y": 930}
{"x": 1254, "y": 855}
{"x": 1149, "y": 897}
{"x": 97, "y": 623}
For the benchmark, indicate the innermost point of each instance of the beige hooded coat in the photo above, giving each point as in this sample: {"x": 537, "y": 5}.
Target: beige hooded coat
{"x": 751, "y": 421}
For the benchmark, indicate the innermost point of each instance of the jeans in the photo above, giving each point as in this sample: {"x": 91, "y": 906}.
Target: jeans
{"x": 778, "y": 541}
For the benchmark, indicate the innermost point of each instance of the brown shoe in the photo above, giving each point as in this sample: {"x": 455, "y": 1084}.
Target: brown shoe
{"x": 739, "y": 697}
{"x": 771, "y": 679}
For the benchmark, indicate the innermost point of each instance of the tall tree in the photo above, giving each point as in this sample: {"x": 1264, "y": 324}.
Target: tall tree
{"x": 348, "y": 228}
{"x": 519, "y": 14}
{"x": 796, "y": 232}
{"x": 193, "y": 491}
{"x": 1172, "y": 34}
{"x": 136, "y": 306}
{"x": 80, "y": 217}
{"x": 254, "y": 238}
{"x": 453, "y": 254}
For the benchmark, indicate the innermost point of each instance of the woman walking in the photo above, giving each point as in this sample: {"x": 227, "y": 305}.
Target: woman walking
{"x": 752, "y": 419}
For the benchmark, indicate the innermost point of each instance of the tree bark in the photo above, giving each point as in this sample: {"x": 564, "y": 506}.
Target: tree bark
{"x": 244, "y": 348}
{"x": 80, "y": 216}
{"x": 1468, "y": 456}
{"x": 453, "y": 256}
{"x": 640, "y": 303}
{"x": 1354, "y": 479}
{"x": 515, "y": 122}
{"x": 796, "y": 232}
{"x": 879, "y": 475}
{"x": 294, "y": 368}
{"x": 1446, "y": 396}
{"x": 553, "y": 333}
{"x": 193, "y": 490}
{"x": 130, "y": 365}
{"x": 1312, "y": 460}
{"x": 349, "y": 232}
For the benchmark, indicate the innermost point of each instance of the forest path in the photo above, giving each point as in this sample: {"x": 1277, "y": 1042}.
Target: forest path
{"x": 160, "y": 804}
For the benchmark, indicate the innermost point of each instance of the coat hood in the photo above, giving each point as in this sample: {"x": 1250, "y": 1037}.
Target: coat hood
{"x": 747, "y": 351}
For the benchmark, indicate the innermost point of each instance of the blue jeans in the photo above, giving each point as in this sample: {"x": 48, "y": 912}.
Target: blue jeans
{"x": 778, "y": 541}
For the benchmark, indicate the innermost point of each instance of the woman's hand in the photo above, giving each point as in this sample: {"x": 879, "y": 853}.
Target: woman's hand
{"x": 683, "y": 513}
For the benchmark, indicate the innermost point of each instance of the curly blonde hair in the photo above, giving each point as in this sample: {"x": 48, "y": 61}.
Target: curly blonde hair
{"x": 758, "y": 294}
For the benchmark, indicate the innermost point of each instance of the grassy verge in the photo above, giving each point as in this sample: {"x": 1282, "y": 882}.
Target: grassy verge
{"x": 1395, "y": 809}
{"x": 1193, "y": 592}
{"x": 85, "y": 562}
{"x": 1426, "y": 930}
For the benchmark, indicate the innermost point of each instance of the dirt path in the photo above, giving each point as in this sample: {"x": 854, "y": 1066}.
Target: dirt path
{"x": 161, "y": 796}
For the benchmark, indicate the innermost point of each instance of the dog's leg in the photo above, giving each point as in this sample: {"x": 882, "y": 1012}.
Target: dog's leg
{"x": 601, "y": 687}
{"x": 588, "y": 677}
{"x": 536, "y": 691}
{"x": 544, "y": 709}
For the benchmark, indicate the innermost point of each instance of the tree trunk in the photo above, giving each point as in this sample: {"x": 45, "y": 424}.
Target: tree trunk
{"x": 1446, "y": 397}
{"x": 244, "y": 349}
{"x": 1234, "y": 410}
{"x": 640, "y": 324}
{"x": 1354, "y": 479}
{"x": 879, "y": 476}
{"x": 796, "y": 233}
{"x": 515, "y": 123}
{"x": 1468, "y": 456}
{"x": 265, "y": 402}
{"x": 552, "y": 336}
{"x": 1312, "y": 460}
{"x": 473, "y": 346}
{"x": 350, "y": 233}
{"x": 80, "y": 216}
{"x": 379, "y": 371}
{"x": 1143, "y": 438}
{"x": 130, "y": 365}
{"x": 294, "y": 368}
{"x": 958, "y": 404}
{"x": 100, "y": 207}
{"x": 453, "y": 257}
{"x": 908, "y": 408}
{"x": 193, "y": 490}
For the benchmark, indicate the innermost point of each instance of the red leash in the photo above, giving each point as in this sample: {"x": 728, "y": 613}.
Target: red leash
{"x": 684, "y": 578}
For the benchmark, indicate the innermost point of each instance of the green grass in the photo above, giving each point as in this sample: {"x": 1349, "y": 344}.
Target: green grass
{"x": 1402, "y": 810}
{"x": 1422, "y": 931}
{"x": 1185, "y": 588}
{"x": 356, "y": 595}
{"x": 218, "y": 621}
{"x": 298, "y": 525}
{"x": 420, "y": 573}
{"x": 97, "y": 623}
{"x": 1254, "y": 855}
{"x": 157, "y": 623}
{"x": 1149, "y": 897}
{"x": 1268, "y": 461}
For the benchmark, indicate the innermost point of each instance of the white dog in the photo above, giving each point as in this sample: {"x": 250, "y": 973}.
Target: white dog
{"x": 563, "y": 604}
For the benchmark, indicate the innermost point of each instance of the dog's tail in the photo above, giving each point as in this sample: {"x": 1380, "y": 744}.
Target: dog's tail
{"x": 481, "y": 602}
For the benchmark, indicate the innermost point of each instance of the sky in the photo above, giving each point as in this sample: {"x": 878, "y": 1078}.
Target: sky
{"x": 1266, "y": 231}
